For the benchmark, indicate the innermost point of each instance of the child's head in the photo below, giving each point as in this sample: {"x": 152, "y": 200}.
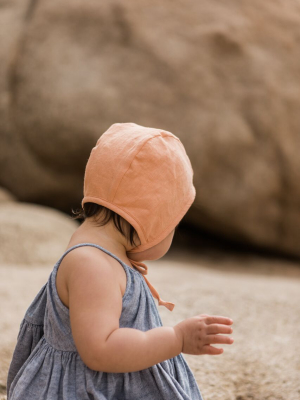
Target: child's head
{"x": 145, "y": 176}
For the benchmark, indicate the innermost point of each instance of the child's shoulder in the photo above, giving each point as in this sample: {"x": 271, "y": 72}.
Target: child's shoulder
{"x": 87, "y": 259}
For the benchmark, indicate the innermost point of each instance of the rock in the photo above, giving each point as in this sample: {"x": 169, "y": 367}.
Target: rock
{"x": 6, "y": 196}
{"x": 223, "y": 77}
{"x": 31, "y": 234}
{"x": 13, "y": 17}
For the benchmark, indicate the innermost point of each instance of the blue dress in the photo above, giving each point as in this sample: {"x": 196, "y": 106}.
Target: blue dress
{"x": 46, "y": 365}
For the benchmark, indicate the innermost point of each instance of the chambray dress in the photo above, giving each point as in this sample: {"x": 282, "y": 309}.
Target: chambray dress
{"x": 46, "y": 365}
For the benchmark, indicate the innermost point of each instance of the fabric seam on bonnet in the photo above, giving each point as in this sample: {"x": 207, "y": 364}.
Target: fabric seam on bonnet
{"x": 140, "y": 149}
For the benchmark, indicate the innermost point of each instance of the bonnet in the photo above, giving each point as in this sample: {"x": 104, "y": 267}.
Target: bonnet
{"x": 145, "y": 176}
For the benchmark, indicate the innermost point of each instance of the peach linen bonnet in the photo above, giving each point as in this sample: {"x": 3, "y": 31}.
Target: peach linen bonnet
{"x": 145, "y": 176}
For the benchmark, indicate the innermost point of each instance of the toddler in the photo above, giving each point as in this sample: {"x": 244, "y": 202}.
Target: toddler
{"x": 93, "y": 331}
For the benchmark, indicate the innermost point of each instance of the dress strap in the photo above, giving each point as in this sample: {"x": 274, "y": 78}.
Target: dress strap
{"x": 141, "y": 267}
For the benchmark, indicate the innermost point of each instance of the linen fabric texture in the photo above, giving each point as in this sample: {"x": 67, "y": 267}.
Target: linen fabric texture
{"x": 46, "y": 364}
{"x": 145, "y": 175}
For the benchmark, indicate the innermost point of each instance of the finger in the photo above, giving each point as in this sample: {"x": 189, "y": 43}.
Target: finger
{"x": 212, "y": 350}
{"x": 213, "y": 339}
{"x": 217, "y": 328}
{"x": 216, "y": 319}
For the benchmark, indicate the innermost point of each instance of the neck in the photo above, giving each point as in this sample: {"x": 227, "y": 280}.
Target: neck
{"x": 106, "y": 236}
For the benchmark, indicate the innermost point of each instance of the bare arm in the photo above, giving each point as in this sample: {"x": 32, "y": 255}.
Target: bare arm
{"x": 129, "y": 350}
{"x": 95, "y": 306}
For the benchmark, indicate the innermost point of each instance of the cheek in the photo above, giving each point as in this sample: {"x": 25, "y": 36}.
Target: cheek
{"x": 156, "y": 251}
{"x": 167, "y": 245}
{"x": 164, "y": 246}
{"x": 161, "y": 249}
{"x": 149, "y": 254}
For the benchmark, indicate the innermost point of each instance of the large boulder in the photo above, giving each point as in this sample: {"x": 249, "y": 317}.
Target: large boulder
{"x": 31, "y": 234}
{"x": 222, "y": 76}
{"x": 13, "y": 17}
{"x": 6, "y": 196}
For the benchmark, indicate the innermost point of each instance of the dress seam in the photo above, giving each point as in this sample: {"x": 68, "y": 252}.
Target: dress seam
{"x": 61, "y": 351}
{"x": 25, "y": 319}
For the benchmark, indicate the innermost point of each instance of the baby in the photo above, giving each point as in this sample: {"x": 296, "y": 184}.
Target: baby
{"x": 94, "y": 331}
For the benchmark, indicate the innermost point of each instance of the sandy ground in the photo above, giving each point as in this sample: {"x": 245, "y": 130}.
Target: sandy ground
{"x": 261, "y": 295}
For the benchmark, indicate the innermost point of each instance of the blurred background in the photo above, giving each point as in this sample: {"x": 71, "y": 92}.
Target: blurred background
{"x": 223, "y": 76}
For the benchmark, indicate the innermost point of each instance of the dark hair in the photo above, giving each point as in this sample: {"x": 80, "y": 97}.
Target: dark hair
{"x": 89, "y": 210}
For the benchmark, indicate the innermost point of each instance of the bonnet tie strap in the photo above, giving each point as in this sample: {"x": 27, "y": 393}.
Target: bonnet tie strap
{"x": 143, "y": 269}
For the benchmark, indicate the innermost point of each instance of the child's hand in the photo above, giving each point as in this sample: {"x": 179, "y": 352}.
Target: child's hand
{"x": 199, "y": 332}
